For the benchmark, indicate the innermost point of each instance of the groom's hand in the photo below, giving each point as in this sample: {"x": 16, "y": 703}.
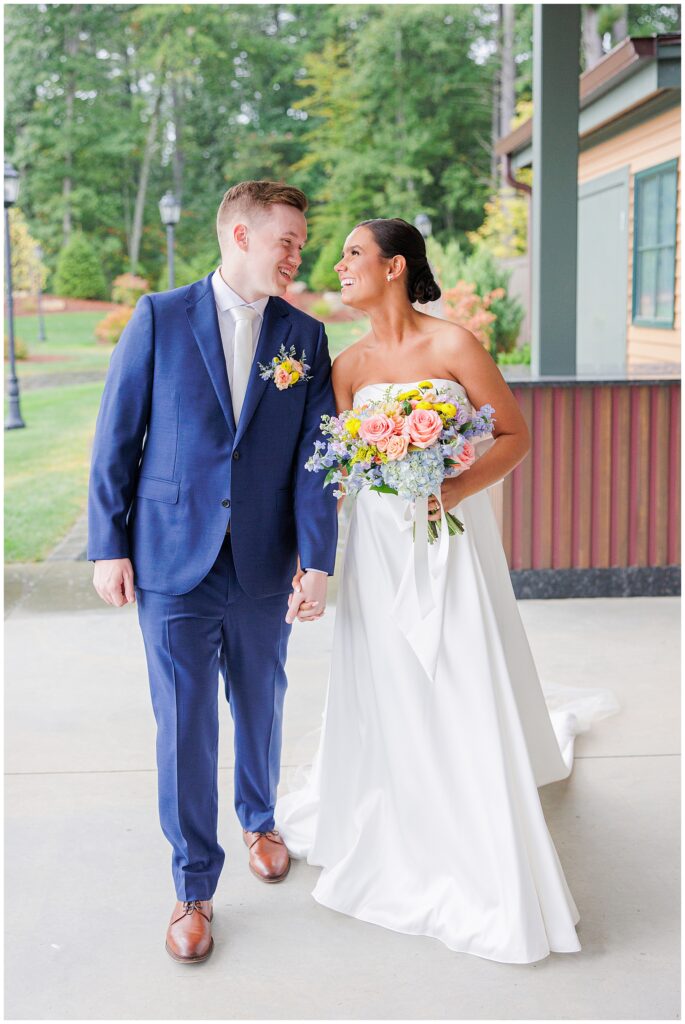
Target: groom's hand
{"x": 314, "y": 586}
{"x": 113, "y": 580}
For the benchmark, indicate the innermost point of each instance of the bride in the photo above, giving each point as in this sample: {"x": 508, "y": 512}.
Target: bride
{"x": 422, "y": 806}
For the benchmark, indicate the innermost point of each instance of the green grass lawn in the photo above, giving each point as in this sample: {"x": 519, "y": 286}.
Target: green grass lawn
{"x": 46, "y": 468}
{"x": 342, "y": 335}
{"x": 46, "y": 464}
{"x": 70, "y": 336}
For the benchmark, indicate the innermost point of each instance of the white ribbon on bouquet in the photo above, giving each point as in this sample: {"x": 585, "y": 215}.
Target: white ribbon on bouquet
{"x": 416, "y": 611}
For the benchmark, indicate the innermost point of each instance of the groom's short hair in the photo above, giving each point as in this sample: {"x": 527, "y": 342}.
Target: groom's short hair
{"x": 254, "y": 195}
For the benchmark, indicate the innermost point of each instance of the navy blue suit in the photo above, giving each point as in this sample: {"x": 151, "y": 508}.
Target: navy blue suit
{"x": 170, "y": 471}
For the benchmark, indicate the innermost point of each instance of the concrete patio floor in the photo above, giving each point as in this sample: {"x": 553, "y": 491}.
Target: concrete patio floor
{"x": 88, "y": 889}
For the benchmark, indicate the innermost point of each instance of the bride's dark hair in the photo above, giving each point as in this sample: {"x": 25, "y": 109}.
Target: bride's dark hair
{"x": 397, "y": 237}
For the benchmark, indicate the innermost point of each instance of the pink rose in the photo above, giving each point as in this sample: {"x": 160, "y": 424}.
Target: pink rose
{"x": 376, "y": 427}
{"x": 467, "y": 455}
{"x": 281, "y": 378}
{"x": 297, "y": 366}
{"x": 398, "y": 419}
{"x": 423, "y": 426}
{"x": 382, "y": 444}
{"x": 397, "y": 447}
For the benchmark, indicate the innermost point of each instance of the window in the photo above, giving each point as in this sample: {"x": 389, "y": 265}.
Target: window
{"x": 654, "y": 251}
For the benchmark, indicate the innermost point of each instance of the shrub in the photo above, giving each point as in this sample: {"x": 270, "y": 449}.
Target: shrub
{"x": 27, "y": 269}
{"x": 466, "y": 307}
{"x": 520, "y": 355}
{"x": 79, "y": 274}
{"x": 127, "y": 289}
{"x": 481, "y": 269}
{"x": 21, "y": 349}
{"x": 322, "y": 277}
{"x": 109, "y": 330}
{"x": 489, "y": 276}
{"x": 321, "y": 308}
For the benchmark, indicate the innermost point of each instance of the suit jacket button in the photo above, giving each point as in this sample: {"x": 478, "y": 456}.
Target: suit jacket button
{"x": 236, "y": 455}
{"x": 226, "y": 503}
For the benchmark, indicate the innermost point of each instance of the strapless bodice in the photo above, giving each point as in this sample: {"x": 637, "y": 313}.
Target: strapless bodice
{"x": 379, "y": 388}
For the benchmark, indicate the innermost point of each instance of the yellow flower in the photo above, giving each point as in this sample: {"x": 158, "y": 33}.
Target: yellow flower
{"x": 447, "y": 409}
{"x": 285, "y": 365}
{"x": 424, "y": 405}
{"x": 352, "y": 426}
{"x": 294, "y": 377}
{"x": 364, "y": 454}
{"x": 426, "y": 384}
{"x": 408, "y": 394}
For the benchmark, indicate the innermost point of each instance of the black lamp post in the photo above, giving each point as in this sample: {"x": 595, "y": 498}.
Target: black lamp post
{"x": 14, "y": 419}
{"x": 38, "y": 252}
{"x": 423, "y": 222}
{"x": 170, "y": 212}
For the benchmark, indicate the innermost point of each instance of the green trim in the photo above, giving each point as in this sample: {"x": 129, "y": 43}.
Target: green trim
{"x": 623, "y": 123}
{"x": 658, "y": 170}
{"x": 664, "y": 325}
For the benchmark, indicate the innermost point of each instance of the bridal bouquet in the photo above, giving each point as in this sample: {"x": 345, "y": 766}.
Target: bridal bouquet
{"x": 403, "y": 444}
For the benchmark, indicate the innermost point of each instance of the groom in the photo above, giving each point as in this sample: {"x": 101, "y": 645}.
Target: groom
{"x": 199, "y": 506}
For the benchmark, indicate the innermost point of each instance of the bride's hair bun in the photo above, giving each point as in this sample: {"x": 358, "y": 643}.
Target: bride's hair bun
{"x": 397, "y": 237}
{"x": 422, "y": 285}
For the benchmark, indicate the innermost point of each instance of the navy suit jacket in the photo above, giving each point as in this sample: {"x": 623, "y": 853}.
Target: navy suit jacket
{"x": 170, "y": 468}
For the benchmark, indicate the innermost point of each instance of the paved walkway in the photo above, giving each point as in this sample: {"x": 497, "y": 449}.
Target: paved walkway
{"x": 88, "y": 892}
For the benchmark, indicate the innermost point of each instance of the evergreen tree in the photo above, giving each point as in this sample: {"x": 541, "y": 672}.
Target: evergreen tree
{"x": 79, "y": 273}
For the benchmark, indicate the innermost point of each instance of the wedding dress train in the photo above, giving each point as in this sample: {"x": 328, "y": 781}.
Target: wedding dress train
{"x": 422, "y": 806}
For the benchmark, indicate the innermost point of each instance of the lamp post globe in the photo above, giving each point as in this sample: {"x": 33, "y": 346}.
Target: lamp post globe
{"x": 11, "y": 185}
{"x": 14, "y": 419}
{"x": 170, "y": 212}
{"x": 423, "y": 222}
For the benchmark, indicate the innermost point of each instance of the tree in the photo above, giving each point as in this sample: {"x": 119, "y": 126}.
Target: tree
{"x": 27, "y": 269}
{"x": 79, "y": 274}
{"x": 64, "y": 79}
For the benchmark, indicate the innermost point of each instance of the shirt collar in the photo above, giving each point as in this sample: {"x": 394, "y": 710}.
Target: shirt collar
{"x": 226, "y": 298}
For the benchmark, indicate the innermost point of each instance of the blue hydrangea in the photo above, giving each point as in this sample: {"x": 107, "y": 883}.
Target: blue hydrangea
{"x": 417, "y": 475}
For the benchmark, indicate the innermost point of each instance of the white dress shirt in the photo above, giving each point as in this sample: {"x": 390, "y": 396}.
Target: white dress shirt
{"x": 226, "y": 299}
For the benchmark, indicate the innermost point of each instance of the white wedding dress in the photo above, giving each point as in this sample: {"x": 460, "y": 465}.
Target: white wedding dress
{"x": 422, "y": 805}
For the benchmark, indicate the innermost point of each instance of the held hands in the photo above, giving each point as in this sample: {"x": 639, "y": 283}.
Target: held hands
{"x": 113, "y": 580}
{"x": 308, "y": 599}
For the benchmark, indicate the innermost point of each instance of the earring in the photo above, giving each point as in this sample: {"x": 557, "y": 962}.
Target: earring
{"x": 389, "y": 278}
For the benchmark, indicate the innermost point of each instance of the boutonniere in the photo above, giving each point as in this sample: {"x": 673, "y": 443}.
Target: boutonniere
{"x": 286, "y": 369}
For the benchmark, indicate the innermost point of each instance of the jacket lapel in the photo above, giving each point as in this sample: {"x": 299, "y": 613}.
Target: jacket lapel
{"x": 204, "y": 322}
{"x": 274, "y": 333}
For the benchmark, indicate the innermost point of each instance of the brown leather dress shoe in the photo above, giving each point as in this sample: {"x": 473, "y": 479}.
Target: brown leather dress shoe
{"x": 189, "y": 935}
{"x": 269, "y": 857}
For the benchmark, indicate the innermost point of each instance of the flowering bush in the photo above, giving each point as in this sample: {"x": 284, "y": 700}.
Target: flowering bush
{"x": 465, "y": 307}
{"x": 21, "y": 349}
{"x": 127, "y": 289}
{"x": 109, "y": 330}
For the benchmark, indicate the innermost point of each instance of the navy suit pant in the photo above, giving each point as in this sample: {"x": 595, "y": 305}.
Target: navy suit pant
{"x": 190, "y": 639}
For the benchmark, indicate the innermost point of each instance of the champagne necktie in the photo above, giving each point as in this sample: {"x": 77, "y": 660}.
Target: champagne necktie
{"x": 242, "y": 355}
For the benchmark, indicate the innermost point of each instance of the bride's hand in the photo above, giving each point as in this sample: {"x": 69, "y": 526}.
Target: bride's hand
{"x": 451, "y": 494}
